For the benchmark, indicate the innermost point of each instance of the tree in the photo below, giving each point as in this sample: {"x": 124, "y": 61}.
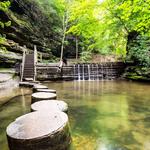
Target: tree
{"x": 84, "y": 25}
{"x": 64, "y": 26}
{"x": 131, "y": 17}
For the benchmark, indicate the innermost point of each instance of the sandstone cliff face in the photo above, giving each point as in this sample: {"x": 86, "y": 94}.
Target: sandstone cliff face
{"x": 29, "y": 26}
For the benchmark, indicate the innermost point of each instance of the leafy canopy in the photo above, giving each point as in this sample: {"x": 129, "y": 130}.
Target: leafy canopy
{"x": 4, "y": 7}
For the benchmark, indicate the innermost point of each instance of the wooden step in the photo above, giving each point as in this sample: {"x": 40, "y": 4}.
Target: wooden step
{"x": 29, "y": 67}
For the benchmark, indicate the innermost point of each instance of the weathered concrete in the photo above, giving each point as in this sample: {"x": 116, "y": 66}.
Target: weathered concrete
{"x": 39, "y": 96}
{"x": 38, "y": 86}
{"x": 52, "y": 105}
{"x": 39, "y": 131}
{"x": 45, "y": 90}
{"x": 108, "y": 70}
{"x": 26, "y": 84}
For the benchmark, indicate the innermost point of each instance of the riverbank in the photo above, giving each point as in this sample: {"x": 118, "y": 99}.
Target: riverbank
{"x": 137, "y": 73}
{"x": 9, "y": 86}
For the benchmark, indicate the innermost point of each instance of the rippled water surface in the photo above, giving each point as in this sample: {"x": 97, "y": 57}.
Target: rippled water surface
{"x": 108, "y": 115}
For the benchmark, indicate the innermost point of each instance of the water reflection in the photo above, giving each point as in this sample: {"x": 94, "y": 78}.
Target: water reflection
{"x": 108, "y": 115}
{"x": 15, "y": 107}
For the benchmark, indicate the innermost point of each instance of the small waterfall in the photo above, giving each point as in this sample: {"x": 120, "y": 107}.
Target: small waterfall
{"x": 74, "y": 72}
{"x": 111, "y": 71}
{"x": 92, "y": 72}
{"x": 83, "y": 72}
{"x": 97, "y": 71}
{"x": 107, "y": 72}
{"x": 102, "y": 71}
{"x": 79, "y": 74}
{"x": 89, "y": 72}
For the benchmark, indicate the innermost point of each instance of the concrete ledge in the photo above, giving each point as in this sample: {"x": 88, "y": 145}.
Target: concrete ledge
{"x": 45, "y": 90}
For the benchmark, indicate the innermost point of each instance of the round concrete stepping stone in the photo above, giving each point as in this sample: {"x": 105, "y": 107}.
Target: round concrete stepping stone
{"x": 52, "y": 105}
{"x": 39, "y": 131}
{"x": 45, "y": 90}
{"x": 26, "y": 84}
{"x": 39, "y": 96}
{"x": 38, "y": 86}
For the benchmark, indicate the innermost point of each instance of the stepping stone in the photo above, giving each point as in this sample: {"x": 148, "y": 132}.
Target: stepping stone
{"x": 39, "y": 131}
{"x": 28, "y": 79}
{"x": 26, "y": 84}
{"x": 50, "y": 105}
{"x": 39, "y": 96}
{"x": 38, "y": 86}
{"x": 45, "y": 90}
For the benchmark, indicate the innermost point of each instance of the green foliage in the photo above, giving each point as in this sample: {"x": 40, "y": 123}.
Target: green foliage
{"x": 53, "y": 9}
{"x": 4, "y": 7}
{"x": 140, "y": 50}
{"x": 101, "y": 26}
{"x": 126, "y": 17}
{"x": 84, "y": 23}
{"x": 86, "y": 56}
{"x": 104, "y": 27}
{"x": 98, "y": 32}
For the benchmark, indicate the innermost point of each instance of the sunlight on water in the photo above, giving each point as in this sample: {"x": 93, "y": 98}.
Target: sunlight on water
{"x": 108, "y": 115}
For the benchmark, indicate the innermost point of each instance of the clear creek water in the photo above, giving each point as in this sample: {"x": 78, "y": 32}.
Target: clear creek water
{"x": 104, "y": 115}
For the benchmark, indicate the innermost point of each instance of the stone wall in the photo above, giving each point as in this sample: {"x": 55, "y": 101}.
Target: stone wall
{"x": 94, "y": 71}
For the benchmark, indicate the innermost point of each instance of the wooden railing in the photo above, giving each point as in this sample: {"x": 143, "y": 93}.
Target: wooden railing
{"x": 23, "y": 62}
{"x": 35, "y": 61}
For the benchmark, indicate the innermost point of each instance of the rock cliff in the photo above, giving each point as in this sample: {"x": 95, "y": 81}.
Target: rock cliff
{"x": 29, "y": 26}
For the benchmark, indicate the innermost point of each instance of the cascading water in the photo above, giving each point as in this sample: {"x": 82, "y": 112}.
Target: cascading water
{"x": 74, "y": 71}
{"x": 92, "y": 72}
{"x": 102, "y": 71}
{"x": 111, "y": 71}
{"x": 97, "y": 71}
{"x": 89, "y": 72}
{"x": 107, "y": 72}
{"x": 79, "y": 74}
{"x": 83, "y": 74}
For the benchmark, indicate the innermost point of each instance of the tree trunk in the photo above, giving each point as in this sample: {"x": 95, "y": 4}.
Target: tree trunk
{"x": 65, "y": 24}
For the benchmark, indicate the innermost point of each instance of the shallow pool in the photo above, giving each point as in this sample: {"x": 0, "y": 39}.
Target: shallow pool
{"x": 104, "y": 115}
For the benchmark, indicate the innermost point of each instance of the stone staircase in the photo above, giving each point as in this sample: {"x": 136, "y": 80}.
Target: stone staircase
{"x": 28, "y": 72}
